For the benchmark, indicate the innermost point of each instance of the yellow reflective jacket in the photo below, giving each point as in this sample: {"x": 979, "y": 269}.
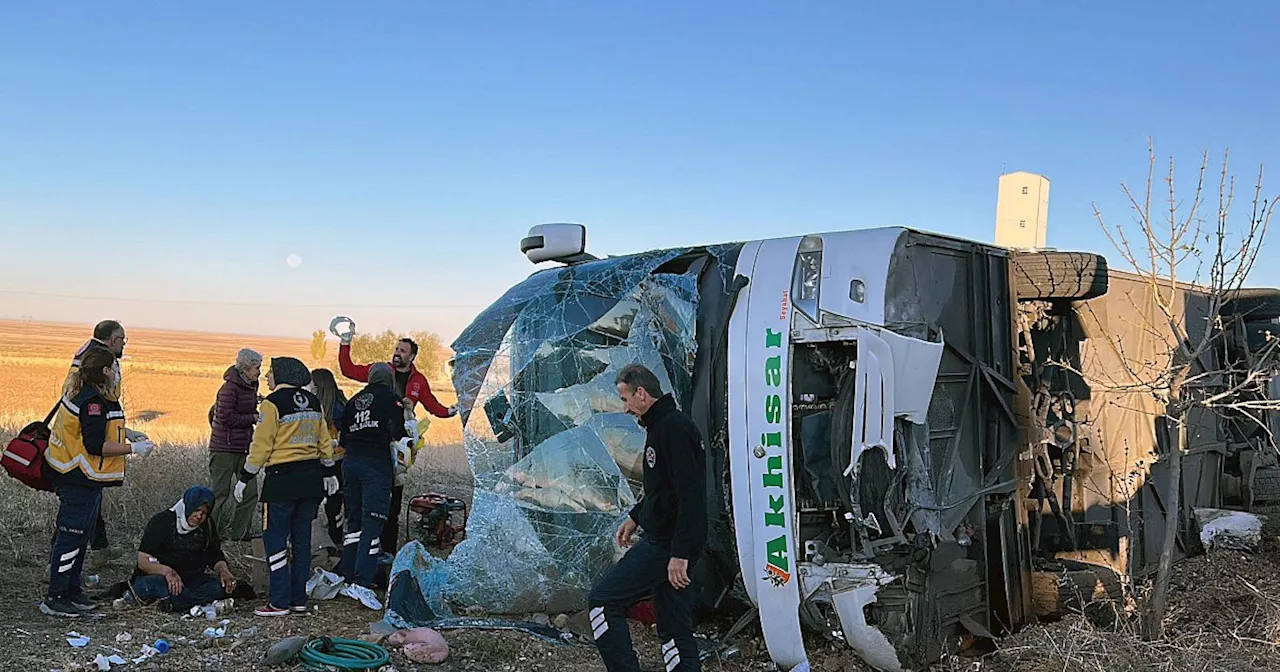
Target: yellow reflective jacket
{"x": 291, "y": 445}
{"x": 79, "y": 429}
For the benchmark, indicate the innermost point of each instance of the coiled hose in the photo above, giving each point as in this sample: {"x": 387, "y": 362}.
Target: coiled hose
{"x": 329, "y": 653}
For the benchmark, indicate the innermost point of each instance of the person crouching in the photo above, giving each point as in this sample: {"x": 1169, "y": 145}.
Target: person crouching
{"x": 177, "y": 547}
{"x": 292, "y": 446}
{"x": 372, "y": 423}
{"x": 86, "y": 453}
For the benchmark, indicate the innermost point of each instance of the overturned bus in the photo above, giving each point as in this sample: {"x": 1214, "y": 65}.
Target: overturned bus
{"x": 865, "y": 411}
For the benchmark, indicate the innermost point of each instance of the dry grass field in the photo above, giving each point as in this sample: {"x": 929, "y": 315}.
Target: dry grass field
{"x": 170, "y": 377}
{"x": 1224, "y": 612}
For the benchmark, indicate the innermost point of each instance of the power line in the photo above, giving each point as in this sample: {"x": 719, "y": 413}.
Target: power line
{"x": 243, "y": 304}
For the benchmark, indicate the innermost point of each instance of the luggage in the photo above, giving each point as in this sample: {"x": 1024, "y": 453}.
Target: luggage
{"x": 23, "y": 458}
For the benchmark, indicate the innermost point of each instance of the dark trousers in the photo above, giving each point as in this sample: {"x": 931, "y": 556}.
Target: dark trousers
{"x": 391, "y": 530}
{"x": 77, "y": 515}
{"x": 288, "y": 524}
{"x": 368, "y": 485}
{"x": 333, "y": 511}
{"x": 100, "y": 540}
{"x": 640, "y": 573}
{"x": 197, "y": 589}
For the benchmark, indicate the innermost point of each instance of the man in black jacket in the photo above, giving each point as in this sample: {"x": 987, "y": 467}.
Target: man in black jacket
{"x": 673, "y": 514}
{"x": 372, "y": 422}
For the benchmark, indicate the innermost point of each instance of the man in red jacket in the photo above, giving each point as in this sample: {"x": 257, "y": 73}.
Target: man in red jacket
{"x": 413, "y": 388}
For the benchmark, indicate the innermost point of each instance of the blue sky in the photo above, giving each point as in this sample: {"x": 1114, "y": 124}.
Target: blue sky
{"x": 173, "y": 155}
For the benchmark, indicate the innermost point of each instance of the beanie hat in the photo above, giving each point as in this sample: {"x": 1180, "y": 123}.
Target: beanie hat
{"x": 381, "y": 374}
{"x": 290, "y": 371}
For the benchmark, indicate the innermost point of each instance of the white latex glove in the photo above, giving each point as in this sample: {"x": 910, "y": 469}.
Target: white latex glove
{"x": 142, "y": 448}
{"x": 403, "y": 452}
{"x": 133, "y": 435}
{"x": 330, "y": 485}
{"x": 453, "y": 410}
{"x": 238, "y": 493}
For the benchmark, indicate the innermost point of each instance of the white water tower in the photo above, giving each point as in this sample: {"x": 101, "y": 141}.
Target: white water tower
{"x": 1022, "y": 211}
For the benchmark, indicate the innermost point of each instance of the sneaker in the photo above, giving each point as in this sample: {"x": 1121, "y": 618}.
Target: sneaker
{"x": 363, "y": 595}
{"x": 82, "y": 602}
{"x": 58, "y": 606}
{"x": 269, "y": 609}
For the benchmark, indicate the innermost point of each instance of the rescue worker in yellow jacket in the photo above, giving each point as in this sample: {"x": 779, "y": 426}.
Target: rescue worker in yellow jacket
{"x": 292, "y": 446}
{"x": 108, "y": 334}
{"x": 86, "y": 453}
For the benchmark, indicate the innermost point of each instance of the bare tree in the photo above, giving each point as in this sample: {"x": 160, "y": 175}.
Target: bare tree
{"x": 1183, "y": 254}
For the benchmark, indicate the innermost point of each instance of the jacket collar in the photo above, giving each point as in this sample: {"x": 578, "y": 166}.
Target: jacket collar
{"x": 660, "y": 408}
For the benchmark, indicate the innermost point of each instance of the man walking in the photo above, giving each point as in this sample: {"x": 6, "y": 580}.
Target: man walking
{"x": 412, "y": 388}
{"x": 673, "y": 515}
{"x": 107, "y": 335}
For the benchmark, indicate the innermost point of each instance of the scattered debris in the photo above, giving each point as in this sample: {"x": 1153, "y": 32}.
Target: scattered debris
{"x": 1233, "y": 530}
{"x": 284, "y": 650}
{"x": 77, "y": 640}
{"x": 124, "y": 638}
{"x": 323, "y": 585}
{"x": 104, "y": 663}
{"x": 421, "y": 645}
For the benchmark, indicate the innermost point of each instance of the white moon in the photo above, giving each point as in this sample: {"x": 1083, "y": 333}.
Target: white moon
{"x": 293, "y": 261}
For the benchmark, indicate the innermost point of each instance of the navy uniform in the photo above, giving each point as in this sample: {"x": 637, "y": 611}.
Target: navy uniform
{"x": 372, "y": 421}
{"x": 673, "y": 515}
{"x": 292, "y": 446}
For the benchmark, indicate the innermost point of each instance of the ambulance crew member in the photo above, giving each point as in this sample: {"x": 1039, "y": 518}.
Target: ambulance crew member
{"x": 86, "y": 453}
{"x": 372, "y": 424}
{"x": 107, "y": 334}
{"x": 412, "y": 388}
{"x": 332, "y": 401}
{"x": 673, "y": 515}
{"x": 292, "y": 446}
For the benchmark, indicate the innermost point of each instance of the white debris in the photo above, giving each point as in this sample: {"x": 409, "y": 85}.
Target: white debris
{"x": 1224, "y": 529}
{"x": 124, "y": 638}
{"x": 77, "y": 640}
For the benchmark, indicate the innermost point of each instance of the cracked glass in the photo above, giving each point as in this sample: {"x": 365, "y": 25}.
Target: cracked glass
{"x": 556, "y": 461}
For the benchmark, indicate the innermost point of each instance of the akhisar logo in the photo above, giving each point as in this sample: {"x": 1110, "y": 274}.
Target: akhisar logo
{"x": 777, "y": 562}
{"x": 300, "y": 400}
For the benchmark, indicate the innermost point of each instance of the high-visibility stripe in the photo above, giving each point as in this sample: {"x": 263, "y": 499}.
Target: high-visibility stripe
{"x": 17, "y": 458}
{"x": 67, "y": 556}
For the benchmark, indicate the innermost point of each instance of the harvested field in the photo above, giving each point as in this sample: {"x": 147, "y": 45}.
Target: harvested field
{"x": 1224, "y": 615}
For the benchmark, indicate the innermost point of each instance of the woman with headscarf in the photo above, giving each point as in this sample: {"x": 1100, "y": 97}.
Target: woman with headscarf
{"x": 291, "y": 444}
{"x": 332, "y": 402}
{"x": 372, "y": 427}
{"x": 86, "y": 453}
{"x": 178, "y": 548}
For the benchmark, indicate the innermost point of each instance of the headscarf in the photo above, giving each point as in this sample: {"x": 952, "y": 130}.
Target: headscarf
{"x": 195, "y": 497}
{"x": 290, "y": 371}
{"x": 381, "y": 374}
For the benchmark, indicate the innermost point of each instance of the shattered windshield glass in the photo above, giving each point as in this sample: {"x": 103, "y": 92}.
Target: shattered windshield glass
{"x": 555, "y": 459}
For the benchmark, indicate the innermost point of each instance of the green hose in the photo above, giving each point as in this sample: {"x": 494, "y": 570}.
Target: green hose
{"x": 336, "y": 653}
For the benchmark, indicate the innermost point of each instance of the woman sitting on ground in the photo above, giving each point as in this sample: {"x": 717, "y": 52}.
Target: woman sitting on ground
{"x": 178, "y": 546}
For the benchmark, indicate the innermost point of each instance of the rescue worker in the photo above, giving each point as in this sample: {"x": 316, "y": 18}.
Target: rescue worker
{"x": 673, "y": 515}
{"x": 332, "y": 403}
{"x": 107, "y": 334}
{"x": 291, "y": 444}
{"x": 372, "y": 426}
{"x": 412, "y": 388}
{"x": 86, "y": 453}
